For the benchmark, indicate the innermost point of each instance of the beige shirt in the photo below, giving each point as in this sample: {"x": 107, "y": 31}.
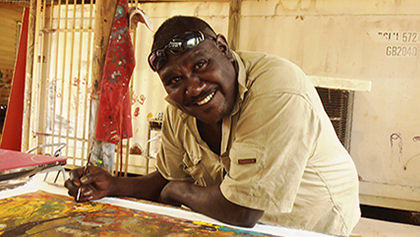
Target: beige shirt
{"x": 279, "y": 151}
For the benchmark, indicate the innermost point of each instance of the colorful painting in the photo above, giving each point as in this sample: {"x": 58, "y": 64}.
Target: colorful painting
{"x": 45, "y": 214}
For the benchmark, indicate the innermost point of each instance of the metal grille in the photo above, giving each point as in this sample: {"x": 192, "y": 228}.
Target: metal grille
{"x": 62, "y": 72}
{"x": 338, "y": 104}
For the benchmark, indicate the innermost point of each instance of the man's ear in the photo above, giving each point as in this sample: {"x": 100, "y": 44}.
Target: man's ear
{"x": 223, "y": 45}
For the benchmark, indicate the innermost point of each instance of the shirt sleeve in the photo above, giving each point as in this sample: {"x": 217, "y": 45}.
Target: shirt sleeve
{"x": 275, "y": 136}
{"x": 169, "y": 158}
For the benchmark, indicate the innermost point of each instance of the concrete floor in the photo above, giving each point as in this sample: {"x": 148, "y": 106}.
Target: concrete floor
{"x": 365, "y": 228}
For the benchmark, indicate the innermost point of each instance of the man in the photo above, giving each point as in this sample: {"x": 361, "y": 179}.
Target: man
{"x": 245, "y": 138}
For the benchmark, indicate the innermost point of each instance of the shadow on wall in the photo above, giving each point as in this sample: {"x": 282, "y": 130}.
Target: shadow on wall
{"x": 3, "y": 109}
{"x": 389, "y": 214}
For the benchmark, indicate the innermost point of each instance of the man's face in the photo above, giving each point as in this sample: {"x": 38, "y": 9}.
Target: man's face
{"x": 202, "y": 80}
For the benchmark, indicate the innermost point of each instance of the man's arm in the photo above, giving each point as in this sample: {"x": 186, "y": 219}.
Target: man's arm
{"x": 98, "y": 183}
{"x": 145, "y": 187}
{"x": 209, "y": 201}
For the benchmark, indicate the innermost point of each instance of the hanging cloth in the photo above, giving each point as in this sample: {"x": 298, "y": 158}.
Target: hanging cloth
{"x": 114, "y": 109}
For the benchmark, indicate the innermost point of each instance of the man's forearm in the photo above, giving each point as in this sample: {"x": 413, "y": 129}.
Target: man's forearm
{"x": 210, "y": 201}
{"x": 145, "y": 187}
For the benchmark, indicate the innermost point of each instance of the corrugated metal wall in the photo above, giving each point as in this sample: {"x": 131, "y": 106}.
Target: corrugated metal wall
{"x": 375, "y": 40}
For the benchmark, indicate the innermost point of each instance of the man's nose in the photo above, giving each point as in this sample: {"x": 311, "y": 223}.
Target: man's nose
{"x": 194, "y": 86}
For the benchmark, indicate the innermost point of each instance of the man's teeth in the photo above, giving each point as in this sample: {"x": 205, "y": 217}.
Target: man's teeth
{"x": 207, "y": 99}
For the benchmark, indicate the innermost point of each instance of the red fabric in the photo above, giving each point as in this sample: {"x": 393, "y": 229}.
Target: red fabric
{"x": 114, "y": 110}
{"x": 12, "y": 131}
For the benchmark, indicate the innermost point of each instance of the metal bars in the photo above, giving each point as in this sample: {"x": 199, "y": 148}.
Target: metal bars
{"x": 62, "y": 71}
{"x": 62, "y": 76}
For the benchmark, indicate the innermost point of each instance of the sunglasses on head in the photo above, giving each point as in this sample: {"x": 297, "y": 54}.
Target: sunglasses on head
{"x": 177, "y": 45}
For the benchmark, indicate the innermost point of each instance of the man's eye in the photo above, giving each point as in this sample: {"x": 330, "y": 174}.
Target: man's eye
{"x": 200, "y": 65}
{"x": 174, "y": 80}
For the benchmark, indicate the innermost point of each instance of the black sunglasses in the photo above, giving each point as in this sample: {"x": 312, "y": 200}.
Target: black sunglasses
{"x": 177, "y": 45}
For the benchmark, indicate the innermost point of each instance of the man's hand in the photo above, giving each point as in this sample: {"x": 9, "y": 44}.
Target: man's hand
{"x": 98, "y": 183}
{"x": 209, "y": 201}
{"x": 94, "y": 184}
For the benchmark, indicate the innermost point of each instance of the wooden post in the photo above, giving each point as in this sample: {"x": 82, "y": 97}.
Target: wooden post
{"x": 234, "y": 20}
{"x": 35, "y": 69}
{"x": 43, "y": 56}
{"x": 29, "y": 75}
{"x": 104, "y": 14}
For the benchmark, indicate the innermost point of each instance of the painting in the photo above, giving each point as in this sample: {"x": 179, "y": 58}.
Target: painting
{"x": 45, "y": 214}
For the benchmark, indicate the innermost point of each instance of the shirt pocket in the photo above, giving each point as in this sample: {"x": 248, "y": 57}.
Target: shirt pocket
{"x": 193, "y": 167}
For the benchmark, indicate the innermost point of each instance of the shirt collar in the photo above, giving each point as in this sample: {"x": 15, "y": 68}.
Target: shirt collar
{"x": 242, "y": 89}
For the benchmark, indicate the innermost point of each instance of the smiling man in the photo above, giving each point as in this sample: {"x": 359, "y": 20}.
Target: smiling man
{"x": 245, "y": 138}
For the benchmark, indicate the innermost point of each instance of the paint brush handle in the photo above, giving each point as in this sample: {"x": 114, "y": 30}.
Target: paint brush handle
{"x": 87, "y": 164}
{"x": 83, "y": 173}
{"x": 78, "y": 194}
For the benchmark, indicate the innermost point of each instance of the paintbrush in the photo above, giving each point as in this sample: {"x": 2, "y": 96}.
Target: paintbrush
{"x": 83, "y": 173}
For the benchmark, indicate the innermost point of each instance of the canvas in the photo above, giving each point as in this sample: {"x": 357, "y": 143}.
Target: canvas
{"x": 45, "y": 214}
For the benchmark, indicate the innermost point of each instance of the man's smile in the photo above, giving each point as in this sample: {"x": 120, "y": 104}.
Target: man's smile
{"x": 206, "y": 99}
